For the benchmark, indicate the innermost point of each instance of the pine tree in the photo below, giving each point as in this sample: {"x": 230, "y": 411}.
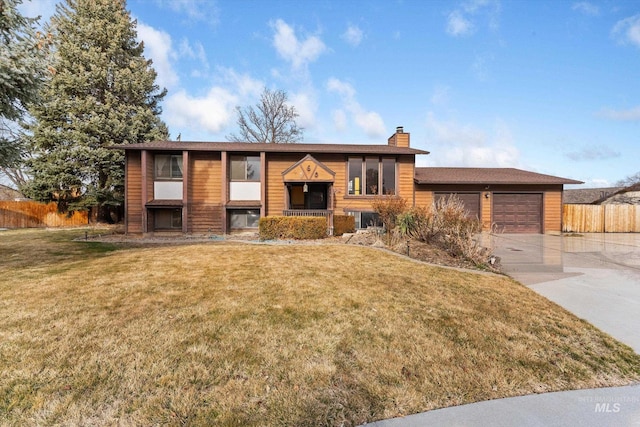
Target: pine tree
{"x": 101, "y": 93}
{"x": 22, "y": 70}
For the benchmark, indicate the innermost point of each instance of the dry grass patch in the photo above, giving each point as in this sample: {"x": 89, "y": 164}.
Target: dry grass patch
{"x": 232, "y": 334}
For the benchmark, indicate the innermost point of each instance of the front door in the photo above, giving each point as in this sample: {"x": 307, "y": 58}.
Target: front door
{"x": 314, "y": 198}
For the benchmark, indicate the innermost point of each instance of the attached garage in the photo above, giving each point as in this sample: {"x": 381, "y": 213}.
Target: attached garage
{"x": 517, "y": 212}
{"x": 471, "y": 202}
{"x": 506, "y": 200}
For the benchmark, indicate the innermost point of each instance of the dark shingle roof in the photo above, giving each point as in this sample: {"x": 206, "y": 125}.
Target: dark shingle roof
{"x": 270, "y": 148}
{"x": 582, "y": 196}
{"x": 486, "y": 176}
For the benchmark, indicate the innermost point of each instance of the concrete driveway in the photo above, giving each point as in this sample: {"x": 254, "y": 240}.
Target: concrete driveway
{"x": 596, "y": 276}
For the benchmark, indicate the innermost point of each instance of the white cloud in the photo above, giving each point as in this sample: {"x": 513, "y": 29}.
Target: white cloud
{"x": 195, "y": 52}
{"x": 195, "y": 10}
{"x": 630, "y": 115}
{"x": 458, "y": 25}
{"x": 628, "y": 30}
{"x": 353, "y": 35}
{"x": 464, "y": 145}
{"x": 306, "y": 106}
{"x": 243, "y": 84}
{"x": 460, "y": 22}
{"x": 339, "y": 120}
{"x": 592, "y": 153}
{"x": 342, "y": 88}
{"x": 586, "y": 8}
{"x": 369, "y": 121}
{"x": 211, "y": 113}
{"x": 157, "y": 47}
{"x": 298, "y": 52}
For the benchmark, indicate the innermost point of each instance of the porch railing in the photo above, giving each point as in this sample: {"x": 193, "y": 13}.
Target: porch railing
{"x": 328, "y": 214}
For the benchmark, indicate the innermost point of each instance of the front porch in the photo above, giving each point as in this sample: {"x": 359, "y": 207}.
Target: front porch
{"x": 327, "y": 213}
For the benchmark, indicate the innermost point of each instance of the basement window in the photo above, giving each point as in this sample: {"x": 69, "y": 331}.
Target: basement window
{"x": 365, "y": 219}
{"x": 167, "y": 219}
{"x": 243, "y": 218}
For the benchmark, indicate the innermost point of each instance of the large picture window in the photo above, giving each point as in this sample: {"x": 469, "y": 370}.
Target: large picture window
{"x": 168, "y": 166}
{"x": 372, "y": 176}
{"x": 245, "y": 168}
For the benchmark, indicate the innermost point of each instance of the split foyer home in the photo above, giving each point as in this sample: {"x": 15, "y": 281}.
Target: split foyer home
{"x": 221, "y": 187}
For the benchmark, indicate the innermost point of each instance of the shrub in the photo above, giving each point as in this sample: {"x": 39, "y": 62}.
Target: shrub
{"x": 446, "y": 225}
{"x": 413, "y": 222}
{"x": 343, "y": 224}
{"x": 388, "y": 208}
{"x": 292, "y": 227}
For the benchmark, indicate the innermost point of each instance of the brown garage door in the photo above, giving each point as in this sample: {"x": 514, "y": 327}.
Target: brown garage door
{"x": 517, "y": 212}
{"x": 471, "y": 202}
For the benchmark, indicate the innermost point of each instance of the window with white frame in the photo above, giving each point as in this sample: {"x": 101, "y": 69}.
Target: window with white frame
{"x": 168, "y": 166}
{"x": 371, "y": 176}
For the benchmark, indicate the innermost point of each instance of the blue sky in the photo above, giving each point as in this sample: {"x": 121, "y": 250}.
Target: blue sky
{"x": 552, "y": 87}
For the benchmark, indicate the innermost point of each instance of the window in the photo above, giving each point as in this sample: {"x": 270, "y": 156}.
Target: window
{"x": 245, "y": 168}
{"x": 243, "y": 218}
{"x": 355, "y": 176}
{"x": 372, "y": 176}
{"x": 168, "y": 166}
{"x": 366, "y": 219}
{"x": 388, "y": 177}
{"x": 379, "y": 176}
{"x": 167, "y": 219}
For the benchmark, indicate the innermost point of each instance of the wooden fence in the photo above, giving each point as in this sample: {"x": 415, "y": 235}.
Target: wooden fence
{"x": 34, "y": 214}
{"x": 601, "y": 218}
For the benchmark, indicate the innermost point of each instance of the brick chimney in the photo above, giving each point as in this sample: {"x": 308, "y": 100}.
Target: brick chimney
{"x": 400, "y": 138}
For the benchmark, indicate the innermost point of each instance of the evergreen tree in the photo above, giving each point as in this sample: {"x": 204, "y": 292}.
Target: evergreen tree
{"x": 22, "y": 70}
{"x": 102, "y": 92}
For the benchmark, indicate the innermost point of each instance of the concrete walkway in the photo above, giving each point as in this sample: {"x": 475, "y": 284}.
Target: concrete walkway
{"x": 615, "y": 407}
{"x": 596, "y": 277}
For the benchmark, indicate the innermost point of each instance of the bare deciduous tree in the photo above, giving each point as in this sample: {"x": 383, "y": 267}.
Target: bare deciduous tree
{"x": 272, "y": 120}
{"x": 629, "y": 181}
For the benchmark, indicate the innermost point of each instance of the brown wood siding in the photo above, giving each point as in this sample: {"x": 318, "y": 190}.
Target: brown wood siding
{"x": 278, "y": 163}
{"x": 205, "y": 195}
{"x": 405, "y": 172}
{"x": 552, "y": 211}
{"x": 423, "y": 197}
{"x": 150, "y": 176}
{"x": 134, "y": 193}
